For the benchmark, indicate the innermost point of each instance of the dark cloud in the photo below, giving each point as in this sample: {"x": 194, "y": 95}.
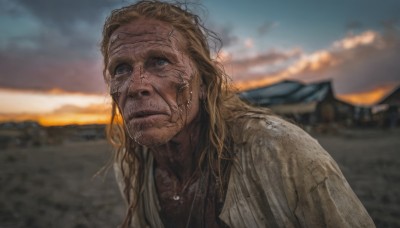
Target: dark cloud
{"x": 354, "y": 25}
{"x": 368, "y": 68}
{"x": 265, "y": 28}
{"x": 66, "y": 13}
{"x": 242, "y": 69}
{"x": 361, "y": 67}
{"x": 266, "y": 58}
{"x": 63, "y": 24}
{"x": 390, "y": 23}
{"x": 63, "y": 52}
{"x": 224, "y": 33}
{"x": 35, "y": 71}
{"x": 357, "y": 63}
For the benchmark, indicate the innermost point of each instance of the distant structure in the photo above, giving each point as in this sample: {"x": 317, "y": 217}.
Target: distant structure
{"x": 22, "y": 134}
{"x": 76, "y": 133}
{"x": 389, "y": 115}
{"x": 31, "y": 133}
{"x": 308, "y": 104}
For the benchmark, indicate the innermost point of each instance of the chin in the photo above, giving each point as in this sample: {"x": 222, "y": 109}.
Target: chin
{"x": 150, "y": 138}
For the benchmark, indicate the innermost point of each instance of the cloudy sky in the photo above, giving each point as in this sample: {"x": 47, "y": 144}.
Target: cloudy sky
{"x": 51, "y": 65}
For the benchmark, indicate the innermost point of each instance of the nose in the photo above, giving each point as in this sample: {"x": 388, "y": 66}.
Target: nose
{"x": 139, "y": 85}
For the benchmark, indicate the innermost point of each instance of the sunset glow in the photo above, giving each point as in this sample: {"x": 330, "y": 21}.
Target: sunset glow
{"x": 21, "y": 101}
{"x": 367, "y": 98}
{"x": 54, "y": 107}
{"x": 59, "y": 119}
{"x": 74, "y": 118}
{"x": 51, "y": 63}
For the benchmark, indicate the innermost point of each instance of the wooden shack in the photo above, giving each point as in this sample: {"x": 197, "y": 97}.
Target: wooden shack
{"x": 307, "y": 104}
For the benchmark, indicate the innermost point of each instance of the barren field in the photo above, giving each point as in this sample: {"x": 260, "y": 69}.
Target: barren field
{"x": 56, "y": 186}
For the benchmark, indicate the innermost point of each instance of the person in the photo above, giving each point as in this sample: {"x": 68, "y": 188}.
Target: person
{"x": 190, "y": 153}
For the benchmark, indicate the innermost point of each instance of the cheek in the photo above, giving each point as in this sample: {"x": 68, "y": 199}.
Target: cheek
{"x": 182, "y": 93}
{"x": 174, "y": 86}
{"x": 118, "y": 87}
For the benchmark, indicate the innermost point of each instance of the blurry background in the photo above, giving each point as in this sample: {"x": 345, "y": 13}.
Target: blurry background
{"x": 332, "y": 67}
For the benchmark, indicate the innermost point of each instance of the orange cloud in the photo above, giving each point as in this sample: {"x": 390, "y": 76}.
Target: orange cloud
{"x": 250, "y": 84}
{"x": 366, "y": 38}
{"x": 355, "y": 63}
{"x": 255, "y": 67}
{"x": 318, "y": 61}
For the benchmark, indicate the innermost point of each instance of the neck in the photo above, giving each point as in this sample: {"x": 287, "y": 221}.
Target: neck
{"x": 181, "y": 155}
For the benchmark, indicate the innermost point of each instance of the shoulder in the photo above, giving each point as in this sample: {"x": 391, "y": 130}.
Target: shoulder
{"x": 278, "y": 161}
{"x": 278, "y": 146}
{"x": 273, "y": 132}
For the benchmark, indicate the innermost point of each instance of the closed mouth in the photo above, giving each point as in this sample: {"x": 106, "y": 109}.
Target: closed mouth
{"x": 145, "y": 113}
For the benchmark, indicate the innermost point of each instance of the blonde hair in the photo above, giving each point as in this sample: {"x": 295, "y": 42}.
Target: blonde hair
{"x": 220, "y": 105}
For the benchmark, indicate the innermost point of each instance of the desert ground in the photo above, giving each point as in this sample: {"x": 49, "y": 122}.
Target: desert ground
{"x": 57, "y": 186}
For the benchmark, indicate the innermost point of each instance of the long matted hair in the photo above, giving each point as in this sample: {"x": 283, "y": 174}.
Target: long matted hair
{"x": 220, "y": 106}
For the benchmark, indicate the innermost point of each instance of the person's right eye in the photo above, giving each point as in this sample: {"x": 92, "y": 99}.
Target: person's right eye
{"x": 122, "y": 69}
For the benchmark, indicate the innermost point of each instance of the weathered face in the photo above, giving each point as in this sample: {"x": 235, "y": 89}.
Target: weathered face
{"x": 153, "y": 81}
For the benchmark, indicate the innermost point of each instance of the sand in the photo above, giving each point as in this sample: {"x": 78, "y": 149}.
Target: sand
{"x": 54, "y": 186}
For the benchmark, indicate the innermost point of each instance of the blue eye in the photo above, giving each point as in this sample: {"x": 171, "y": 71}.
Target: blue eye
{"x": 159, "y": 62}
{"x": 122, "y": 69}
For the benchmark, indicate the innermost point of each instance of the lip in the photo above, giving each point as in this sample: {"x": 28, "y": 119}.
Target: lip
{"x": 145, "y": 114}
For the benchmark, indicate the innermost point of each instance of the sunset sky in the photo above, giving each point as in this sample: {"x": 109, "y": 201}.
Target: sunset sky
{"x": 51, "y": 65}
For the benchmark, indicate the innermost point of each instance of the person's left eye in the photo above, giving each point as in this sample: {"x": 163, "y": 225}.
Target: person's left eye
{"x": 159, "y": 62}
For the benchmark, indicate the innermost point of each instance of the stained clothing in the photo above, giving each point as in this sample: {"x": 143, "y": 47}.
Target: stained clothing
{"x": 281, "y": 177}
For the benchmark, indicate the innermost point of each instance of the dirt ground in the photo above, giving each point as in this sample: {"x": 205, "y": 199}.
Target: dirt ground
{"x": 54, "y": 186}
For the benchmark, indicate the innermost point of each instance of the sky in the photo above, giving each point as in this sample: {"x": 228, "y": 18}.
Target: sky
{"x": 51, "y": 66}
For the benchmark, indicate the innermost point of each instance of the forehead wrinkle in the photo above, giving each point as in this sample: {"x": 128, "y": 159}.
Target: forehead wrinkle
{"x": 158, "y": 36}
{"x": 123, "y": 35}
{"x": 137, "y": 45}
{"x": 116, "y": 44}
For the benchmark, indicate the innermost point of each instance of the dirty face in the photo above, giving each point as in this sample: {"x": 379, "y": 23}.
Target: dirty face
{"x": 153, "y": 81}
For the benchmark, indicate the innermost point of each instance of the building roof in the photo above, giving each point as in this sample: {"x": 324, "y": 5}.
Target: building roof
{"x": 288, "y": 92}
{"x": 392, "y": 98}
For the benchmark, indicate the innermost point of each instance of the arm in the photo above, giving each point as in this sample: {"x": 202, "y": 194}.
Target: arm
{"x": 282, "y": 177}
{"x": 321, "y": 195}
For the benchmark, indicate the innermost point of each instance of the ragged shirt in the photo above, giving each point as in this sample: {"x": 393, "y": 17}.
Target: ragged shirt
{"x": 280, "y": 177}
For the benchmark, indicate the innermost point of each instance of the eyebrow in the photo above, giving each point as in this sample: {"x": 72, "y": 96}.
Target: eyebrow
{"x": 117, "y": 38}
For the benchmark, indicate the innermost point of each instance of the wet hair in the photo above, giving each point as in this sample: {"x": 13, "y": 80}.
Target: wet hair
{"x": 219, "y": 107}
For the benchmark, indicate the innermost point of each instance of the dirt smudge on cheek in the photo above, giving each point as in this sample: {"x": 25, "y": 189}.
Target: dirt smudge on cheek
{"x": 119, "y": 87}
{"x": 184, "y": 97}
{"x": 119, "y": 93}
{"x": 115, "y": 89}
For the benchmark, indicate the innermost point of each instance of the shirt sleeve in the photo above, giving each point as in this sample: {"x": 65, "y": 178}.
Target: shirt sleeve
{"x": 317, "y": 191}
{"x": 282, "y": 177}
{"x": 324, "y": 197}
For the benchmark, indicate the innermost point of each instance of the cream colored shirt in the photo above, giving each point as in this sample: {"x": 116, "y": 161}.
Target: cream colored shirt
{"x": 281, "y": 177}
